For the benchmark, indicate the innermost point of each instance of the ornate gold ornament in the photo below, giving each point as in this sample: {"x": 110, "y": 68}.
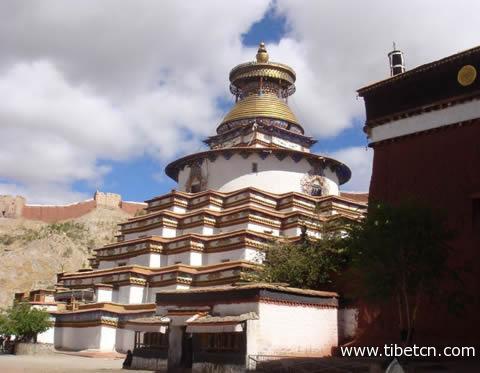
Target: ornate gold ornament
{"x": 467, "y": 75}
{"x": 262, "y": 55}
{"x": 314, "y": 183}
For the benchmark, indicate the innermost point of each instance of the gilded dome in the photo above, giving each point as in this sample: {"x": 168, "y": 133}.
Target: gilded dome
{"x": 261, "y": 106}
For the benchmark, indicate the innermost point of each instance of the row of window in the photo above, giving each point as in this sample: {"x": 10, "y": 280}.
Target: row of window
{"x": 207, "y": 342}
{"x": 152, "y": 340}
{"x": 221, "y": 342}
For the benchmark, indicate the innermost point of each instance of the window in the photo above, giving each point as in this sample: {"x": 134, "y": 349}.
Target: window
{"x": 317, "y": 192}
{"x": 122, "y": 264}
{"x": 178, "y": 262}
{"x": 255, "y": 167}
{"x": 222, "y": 342}
{"x": 225, "y": 260}
{"x": 316, "y": 189}
{"x": 195, "y": 188}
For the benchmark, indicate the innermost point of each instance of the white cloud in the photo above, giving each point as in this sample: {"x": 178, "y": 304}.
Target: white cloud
{"x": 359, "y": 159}
{"x": 43, "y": 194}
{"x": 91, "y": 81}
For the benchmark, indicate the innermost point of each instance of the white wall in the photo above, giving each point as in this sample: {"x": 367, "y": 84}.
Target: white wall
{"x": 237, "y": 254}
{"x": 77, "y": 338}
{"x": 193, "y": 258}
{"x": 136, "y": 294}
{"x": 273, "y": 175}
{"x": 160, "y": 231}
{"x": 125, "y": 340}
{"x": 100, "y": 338}
{"x": 286, "y": 330}
{"x": 130, "y": 294}
{"x": 155, "y": 260}
{"x": 180, "y": 257}
{"x": 47, "y": 336}
{"x": 108, "y": 338}
{"x": 104, "y": 295}
{"x": 426, "y": 121}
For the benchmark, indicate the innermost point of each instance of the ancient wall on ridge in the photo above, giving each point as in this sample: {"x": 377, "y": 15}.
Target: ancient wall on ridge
{"x": 16, "y": 207}
{"x": 109, "y": 200}
{"x": 51, "y": 214}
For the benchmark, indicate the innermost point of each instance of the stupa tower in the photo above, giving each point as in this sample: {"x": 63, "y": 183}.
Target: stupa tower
{"x": 260, "y": 142}
{"x": 258, "y": 182}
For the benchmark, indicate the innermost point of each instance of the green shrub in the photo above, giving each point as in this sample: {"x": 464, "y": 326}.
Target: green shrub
{"x": 24, "y": 321}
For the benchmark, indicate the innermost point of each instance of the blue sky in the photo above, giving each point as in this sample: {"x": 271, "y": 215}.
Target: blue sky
{"x": 93, "y": 98}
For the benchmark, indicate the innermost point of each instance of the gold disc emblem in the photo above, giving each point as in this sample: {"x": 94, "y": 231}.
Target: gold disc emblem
{"x": 467, "y": 75}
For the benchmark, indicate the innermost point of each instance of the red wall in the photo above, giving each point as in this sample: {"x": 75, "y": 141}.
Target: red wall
{"x": 52, "y": 214}
{"x": 132, "y": 207}
{"x": 442, "y": 168}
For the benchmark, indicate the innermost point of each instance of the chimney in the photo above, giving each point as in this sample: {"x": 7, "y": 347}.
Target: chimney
{"x": 397, "y": 62}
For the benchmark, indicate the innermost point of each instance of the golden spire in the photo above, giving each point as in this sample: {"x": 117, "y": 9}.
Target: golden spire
{"x": 262, "y": 55}
{"x": 261, "y": 89}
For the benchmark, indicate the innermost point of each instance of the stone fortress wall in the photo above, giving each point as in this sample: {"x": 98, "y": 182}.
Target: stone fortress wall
{"x": 11, "y": 206}
{"x": 16, "y": 207}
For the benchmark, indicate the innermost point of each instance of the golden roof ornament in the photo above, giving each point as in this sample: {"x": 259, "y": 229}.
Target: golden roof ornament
{"x": 261, "y": 89}
{"x": 467, "y": 75}
{"x": 262, "y": 55}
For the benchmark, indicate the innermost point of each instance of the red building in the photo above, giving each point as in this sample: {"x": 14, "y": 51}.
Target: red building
{"x": 424, "y": 127}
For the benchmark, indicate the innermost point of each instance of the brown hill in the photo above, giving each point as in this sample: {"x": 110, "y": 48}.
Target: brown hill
{"x": 33, "y": 252}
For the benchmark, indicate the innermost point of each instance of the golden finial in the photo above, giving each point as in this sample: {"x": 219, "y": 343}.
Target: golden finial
{"x": 262, "y": 55}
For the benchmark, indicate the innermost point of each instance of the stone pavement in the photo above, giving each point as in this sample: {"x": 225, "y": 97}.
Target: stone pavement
{"x": 60, "y": 363}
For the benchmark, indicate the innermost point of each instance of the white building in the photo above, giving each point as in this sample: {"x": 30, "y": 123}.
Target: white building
{"x": 170, "y": 289}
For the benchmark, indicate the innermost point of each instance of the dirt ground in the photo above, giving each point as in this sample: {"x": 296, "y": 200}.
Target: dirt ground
{"x": 57, "y": 363}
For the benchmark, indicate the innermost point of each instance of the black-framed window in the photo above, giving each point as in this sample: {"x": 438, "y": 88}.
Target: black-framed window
{"x": 155, "y": 340}
{"x": 222, "y": 342}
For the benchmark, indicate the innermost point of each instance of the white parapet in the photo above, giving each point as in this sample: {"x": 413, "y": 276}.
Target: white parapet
{"x": 426, "y": 121}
